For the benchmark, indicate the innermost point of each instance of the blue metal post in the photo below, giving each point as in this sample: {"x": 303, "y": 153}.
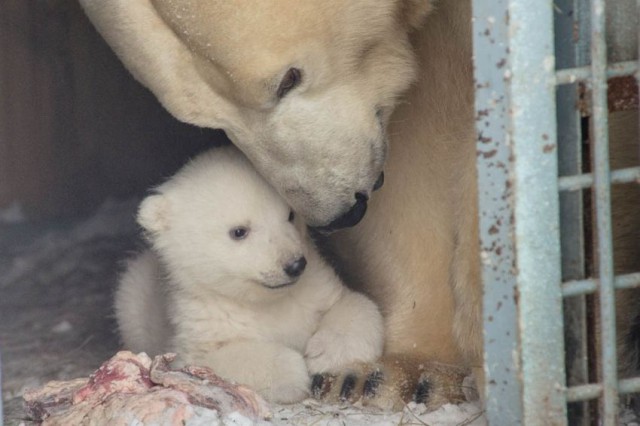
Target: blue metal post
{"x": 519, "y": 212}
{"x": 503, "y": 389}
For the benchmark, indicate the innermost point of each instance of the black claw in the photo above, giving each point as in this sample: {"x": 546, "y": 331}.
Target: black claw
{"x": 422, "y": 391}
{"x": 347, "y": 387}
{"x": 372, "y": 383}
{"x": 317, "y": 382}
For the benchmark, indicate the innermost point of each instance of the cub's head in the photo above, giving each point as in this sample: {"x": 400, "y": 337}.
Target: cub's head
{"x": 304, "y": 88}
{"x": 218, "y": 226}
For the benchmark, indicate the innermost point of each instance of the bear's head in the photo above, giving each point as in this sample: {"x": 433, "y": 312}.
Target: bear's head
{"x": 219, "y": 227}
{"x": 304, "y": 88}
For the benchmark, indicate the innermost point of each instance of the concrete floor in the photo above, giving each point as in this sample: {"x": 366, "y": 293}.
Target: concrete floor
{"x": 56, "y": 284}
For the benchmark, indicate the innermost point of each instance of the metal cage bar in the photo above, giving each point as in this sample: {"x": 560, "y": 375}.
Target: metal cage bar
{"x": 577, "y": 287}
{"x": 519, "y": 212}
{"x": 582, "y": 181}
{"x": 571, "y": 75}
{"x": 602, "y": 194}
{"x": 570, "y": 54}
{"x": 600, "y": 180}
{"x": 519, "y": 186}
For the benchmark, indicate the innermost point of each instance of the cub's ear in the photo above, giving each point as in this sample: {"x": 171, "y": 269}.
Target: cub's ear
{"x": 153, "y": 213}
{"x": 414, "y": 11}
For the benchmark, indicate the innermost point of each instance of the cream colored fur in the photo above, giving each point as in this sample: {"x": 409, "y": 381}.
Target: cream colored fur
{"x": 416, "y": 249}
{"x": 216, "y": 301}
{"x": 218, "y": 63}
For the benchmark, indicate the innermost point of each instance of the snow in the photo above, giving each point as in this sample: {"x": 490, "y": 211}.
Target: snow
{"x": 113, "y": 219}
{"x": 311, "y": 412}
{"x": 12, "y": 214}
{"x": 63, "y": 326}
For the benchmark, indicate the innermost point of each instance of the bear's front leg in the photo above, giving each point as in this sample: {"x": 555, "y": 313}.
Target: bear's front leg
{"x": 275, "y": 371}
{"x": 351, "y": 331}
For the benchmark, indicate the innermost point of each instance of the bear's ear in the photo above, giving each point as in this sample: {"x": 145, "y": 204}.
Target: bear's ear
{"x": 153, "y": 213}
{"x": 414, "y": 11}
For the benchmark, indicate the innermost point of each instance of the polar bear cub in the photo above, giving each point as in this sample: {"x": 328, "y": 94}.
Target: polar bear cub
{"x": 233, "y": 282}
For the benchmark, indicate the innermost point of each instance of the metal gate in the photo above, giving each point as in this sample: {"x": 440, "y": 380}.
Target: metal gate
{"x": 540, "y": 67}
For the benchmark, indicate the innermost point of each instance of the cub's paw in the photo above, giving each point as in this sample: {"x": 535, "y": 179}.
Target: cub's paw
{"x": 289, "y": 380}
{"x": 329, "y": 351}
{"x": 393, "y": 382}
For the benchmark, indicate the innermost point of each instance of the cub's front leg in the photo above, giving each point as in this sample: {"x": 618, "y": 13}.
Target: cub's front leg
{"x": 275, "y": 371}
{"x": 351, "y": 331}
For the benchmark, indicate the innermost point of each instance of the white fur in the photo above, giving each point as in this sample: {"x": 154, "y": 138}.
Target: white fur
{"x": 141, "y": 302}
{"x": 223, "y": 309}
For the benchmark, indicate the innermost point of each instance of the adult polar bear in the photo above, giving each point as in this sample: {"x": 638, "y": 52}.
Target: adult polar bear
{"x": 306, "y": 89}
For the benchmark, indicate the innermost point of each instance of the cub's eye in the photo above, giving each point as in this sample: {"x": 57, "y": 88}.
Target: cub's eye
{"x": 291, "y": 79}
{"x": 291, "y": 216}
{"x": 239, "y": 233}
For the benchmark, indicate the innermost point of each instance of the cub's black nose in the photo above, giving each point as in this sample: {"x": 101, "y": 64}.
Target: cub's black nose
{"x": 296, "y": 268}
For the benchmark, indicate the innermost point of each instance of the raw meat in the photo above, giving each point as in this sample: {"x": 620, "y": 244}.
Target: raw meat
{"x": 131, "y": 389}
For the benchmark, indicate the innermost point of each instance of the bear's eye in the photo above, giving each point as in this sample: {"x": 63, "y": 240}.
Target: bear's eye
{"x": 239, "y": 233}
{"x": 291, "y": 79}
{"x": 291, "y": 216}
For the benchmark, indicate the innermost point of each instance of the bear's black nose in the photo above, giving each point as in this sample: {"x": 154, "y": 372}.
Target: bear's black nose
{"x": 294, "y": 269}
{"x": 351, "y": 217}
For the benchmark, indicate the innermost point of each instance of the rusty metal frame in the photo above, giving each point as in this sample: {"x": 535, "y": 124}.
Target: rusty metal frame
{"x": 600, "y": 180}
{"x": 519, "y": 212}
{"x": 520, "y": 184}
